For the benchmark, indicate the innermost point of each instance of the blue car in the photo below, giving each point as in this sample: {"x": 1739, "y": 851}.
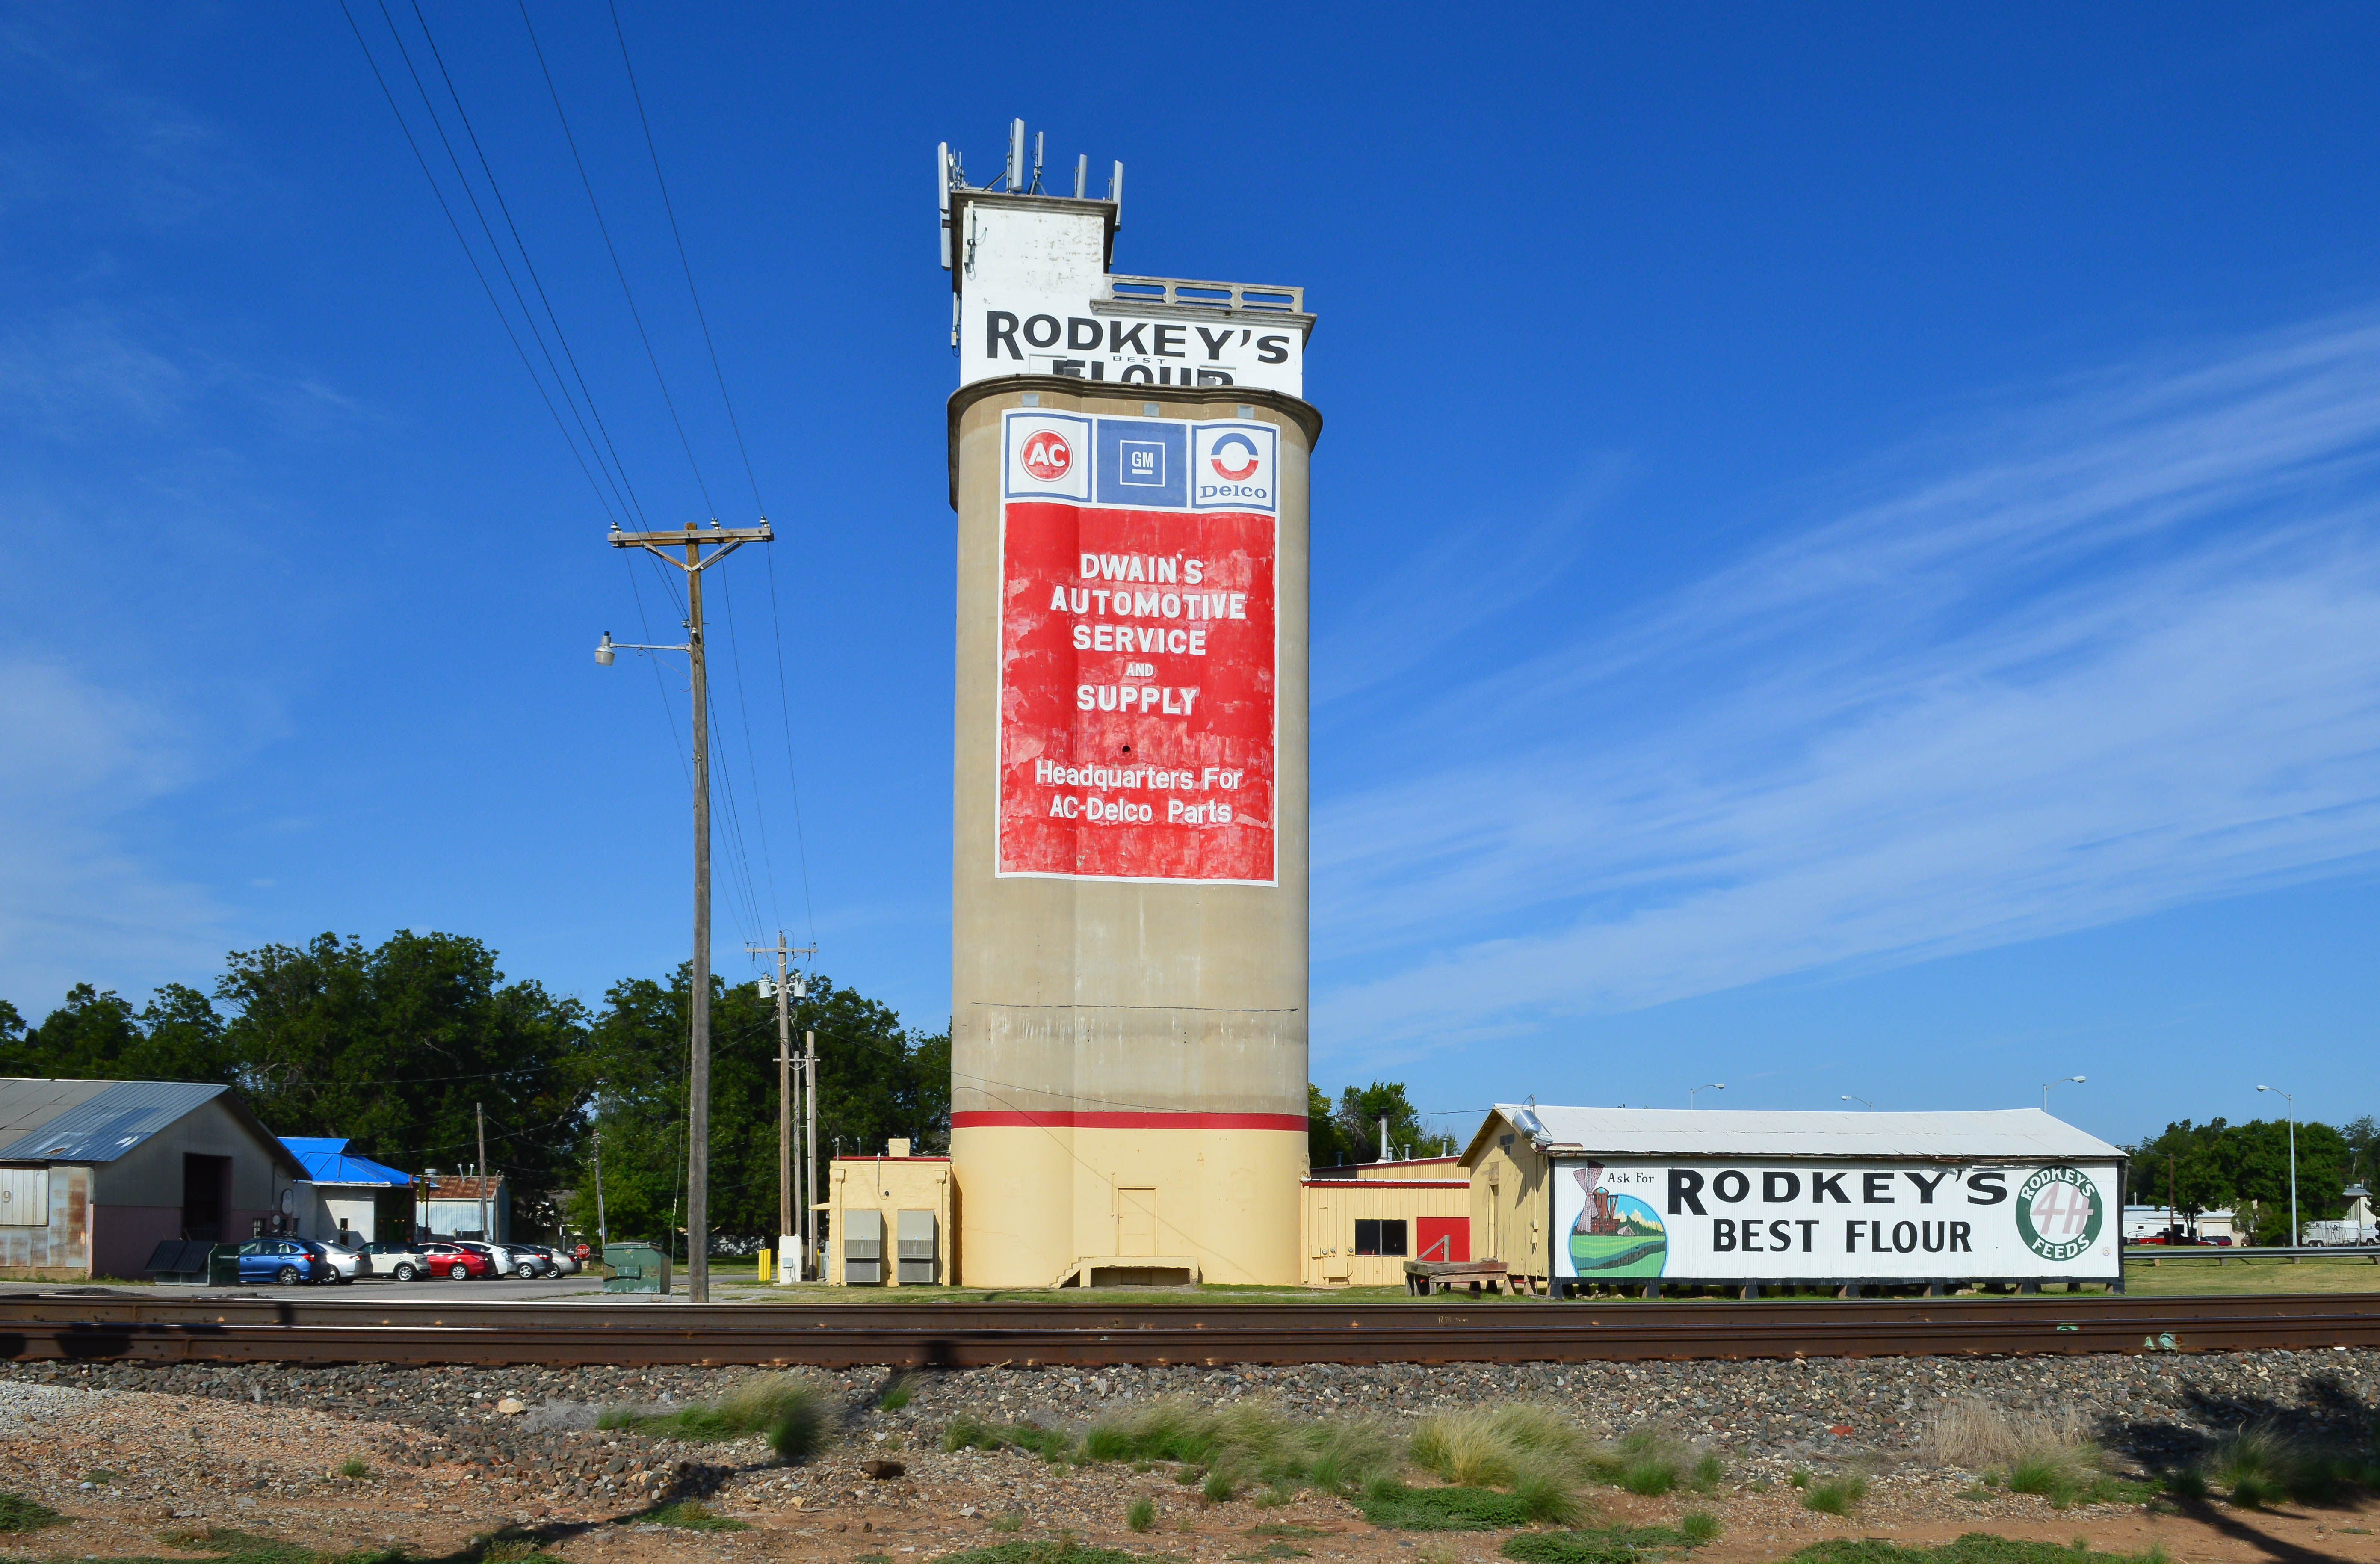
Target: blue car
{"x": 286, "y": 1261}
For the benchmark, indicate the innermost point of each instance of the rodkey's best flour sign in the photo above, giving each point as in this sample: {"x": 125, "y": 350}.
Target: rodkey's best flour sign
{"x": 1137, "y": 648}
{"x": 1714, "y": 1220}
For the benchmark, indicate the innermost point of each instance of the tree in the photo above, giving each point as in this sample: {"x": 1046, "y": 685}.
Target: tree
{"x": 97, "y": 1035}
{"x": 393, "y": 1046}
{"x": 12, "y": 1025}
{"x": 2241, "y": 1166}
{"x": 1360, "y": 1112}
{"x": 1326, "y": 1142}
{"x": 877, "y": 1081}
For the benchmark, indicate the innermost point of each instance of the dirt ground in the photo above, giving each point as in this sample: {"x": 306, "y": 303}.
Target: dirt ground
{"x": 128, "y": 1468}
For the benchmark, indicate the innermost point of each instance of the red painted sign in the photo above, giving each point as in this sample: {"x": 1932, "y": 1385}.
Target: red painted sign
{"x": 1138, "y": 691}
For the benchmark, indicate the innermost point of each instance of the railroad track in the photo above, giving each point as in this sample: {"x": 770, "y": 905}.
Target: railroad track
{"x": 89, "y": 1327}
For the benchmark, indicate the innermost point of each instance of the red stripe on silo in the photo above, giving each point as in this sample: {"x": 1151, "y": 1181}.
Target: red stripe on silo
{"x": 1002, "y": 1118}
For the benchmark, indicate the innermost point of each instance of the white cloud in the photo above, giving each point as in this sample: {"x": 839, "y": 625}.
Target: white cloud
{"x": 75, "y": 762}
{"x": 2117, "y": 655}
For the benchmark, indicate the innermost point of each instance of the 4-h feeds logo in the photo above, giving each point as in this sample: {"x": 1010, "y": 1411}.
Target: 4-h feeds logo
{"x": 2058, "y": 1212}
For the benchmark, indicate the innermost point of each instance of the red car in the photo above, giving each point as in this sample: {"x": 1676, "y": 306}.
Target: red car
{"x": 454, "y": 1260}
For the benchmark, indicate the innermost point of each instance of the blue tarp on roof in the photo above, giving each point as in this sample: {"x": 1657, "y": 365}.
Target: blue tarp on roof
{"x": 112, "y": 1123}
{"x": 328, "y": 1161}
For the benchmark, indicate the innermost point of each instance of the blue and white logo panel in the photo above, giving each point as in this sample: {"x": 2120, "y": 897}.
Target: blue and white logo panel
{"x": 1047, "y": 456}
{"x": 1234, "y": 467}
{"x": 1144, "y": 462}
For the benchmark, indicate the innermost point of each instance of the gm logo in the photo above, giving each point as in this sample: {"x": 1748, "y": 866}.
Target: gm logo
{"x": 1142, "y": 463}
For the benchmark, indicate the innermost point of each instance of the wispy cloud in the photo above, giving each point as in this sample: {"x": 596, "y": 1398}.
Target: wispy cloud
{"x": 2115, "y": 653}
{"x": 76, "y": 759}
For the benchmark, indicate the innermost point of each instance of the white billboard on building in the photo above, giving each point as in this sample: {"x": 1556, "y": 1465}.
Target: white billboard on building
{"x": 1640, "y": 1195}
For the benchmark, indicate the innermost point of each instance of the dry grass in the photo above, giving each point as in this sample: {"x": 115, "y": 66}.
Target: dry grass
{"x": 2049, "y": 1454}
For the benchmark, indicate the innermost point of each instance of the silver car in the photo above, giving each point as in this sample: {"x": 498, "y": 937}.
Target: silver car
{"x": 349, "y": 1263}
{"x": 507, "y": 1261}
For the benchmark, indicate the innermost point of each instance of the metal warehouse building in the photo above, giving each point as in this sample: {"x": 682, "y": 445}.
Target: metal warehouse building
{"x": 1635, "y": 1197}
{"x": 94, "y": 1175}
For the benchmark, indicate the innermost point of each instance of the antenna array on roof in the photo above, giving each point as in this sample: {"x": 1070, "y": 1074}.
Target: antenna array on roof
{"x": 1017, "y": 177}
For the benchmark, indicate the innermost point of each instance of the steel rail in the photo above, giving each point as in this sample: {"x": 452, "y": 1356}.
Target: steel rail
{"x": 70, "y": 1326}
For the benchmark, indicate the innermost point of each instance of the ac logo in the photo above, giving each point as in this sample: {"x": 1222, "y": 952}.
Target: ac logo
{"x": 1047, "y": 456}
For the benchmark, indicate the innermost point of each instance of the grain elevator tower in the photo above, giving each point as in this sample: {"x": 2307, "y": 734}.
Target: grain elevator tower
{"x": 1129, "y": 462}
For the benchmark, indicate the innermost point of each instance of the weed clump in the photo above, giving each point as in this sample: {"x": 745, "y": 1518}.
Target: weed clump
{"x": 1059, "y": 1550}
{"x": 1838, "y": 1496}
{"x": 786, "y": 1409}
{"x": 1612, "y": 1545}
{"x": 2048, "y": 1455}
{"x": 1392, "y": 1504}
{"x": 20, "y": 1514}
{"x": 1246, "y": 1445}
{"x": 694, "y": 1516}
{"x": 1975, "y": 1547}
{"x": 2260, "y": 1465}
{"x": 1141, "y": 1516}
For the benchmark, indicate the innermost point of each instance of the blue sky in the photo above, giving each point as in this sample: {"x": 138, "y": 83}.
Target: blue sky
{"x": 1845, "y": 550}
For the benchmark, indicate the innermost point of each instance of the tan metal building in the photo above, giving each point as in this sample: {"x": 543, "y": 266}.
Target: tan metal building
{"x": 890, "y": 1219}
{"x": 94, "y": 1175}
{"x": 1129, "y": 465}
{"x": 1362, "y": 1223}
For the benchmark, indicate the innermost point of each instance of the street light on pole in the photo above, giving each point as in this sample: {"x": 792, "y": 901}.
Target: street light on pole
{"x": 1862, "y": 1101}
{"x": 665, "y": 547}
{"x": 2293, "y": 1156}
{"x": 1706, "y": 1086}
{"x": 2060, "y": 1081}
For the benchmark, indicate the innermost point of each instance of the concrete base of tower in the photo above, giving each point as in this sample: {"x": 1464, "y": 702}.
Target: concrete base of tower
{"x": 1044, "y": 1202}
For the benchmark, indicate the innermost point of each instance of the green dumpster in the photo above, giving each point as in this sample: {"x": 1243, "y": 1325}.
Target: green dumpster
{"x": 636, "y": 1267}
{"x": 223, "y": 1266}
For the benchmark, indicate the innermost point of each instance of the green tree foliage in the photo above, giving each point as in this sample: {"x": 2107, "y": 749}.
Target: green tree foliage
{"x": 1361, "y": 1108}
{"x": 1326, "y": 1142}
{"x": 2220, "y": 1164}
{"x": 393, "y": 1046}
{"x": 97, "y": 1035}
{"x": 877, "y": 1081}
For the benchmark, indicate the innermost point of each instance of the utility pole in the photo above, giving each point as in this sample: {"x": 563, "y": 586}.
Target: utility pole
{"x": 786, "y": 1226}
{"x": 726, "y": 541}
{"x": 478, "y": 1115}
{"x": 815, "y": 1270}
{"x": 602, "y": 1232}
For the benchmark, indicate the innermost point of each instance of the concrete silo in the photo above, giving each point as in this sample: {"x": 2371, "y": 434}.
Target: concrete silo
{"x": 1129, "y": 462}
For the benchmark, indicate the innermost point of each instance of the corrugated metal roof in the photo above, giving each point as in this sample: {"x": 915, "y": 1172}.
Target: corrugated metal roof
{"x": 27, "y": 1104}
{"x": 2007, "y": 1132}
{"x": 328, "y": 1161}
{"x": 106, "y": 1124}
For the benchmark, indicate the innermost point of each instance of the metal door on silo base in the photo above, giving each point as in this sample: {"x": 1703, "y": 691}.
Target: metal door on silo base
{"x": 919, "y": 1264}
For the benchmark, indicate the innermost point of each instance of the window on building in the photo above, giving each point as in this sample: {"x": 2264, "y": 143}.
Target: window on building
{"x": 1380, "y": 1238}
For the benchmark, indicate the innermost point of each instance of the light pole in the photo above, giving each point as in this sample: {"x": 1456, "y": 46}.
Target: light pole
{"x": 2293, "y": 1158}
{"x": 1862, "y": 1101}
{"x": 724, "y": 541}
{"x": 2060, "y": 1081}
{"x": 1708, "y": 1086}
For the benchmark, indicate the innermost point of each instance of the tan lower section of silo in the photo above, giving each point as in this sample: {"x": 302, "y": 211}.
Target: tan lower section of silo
{"x": 1128, "y": 1057}
{"x": 1127, "y": 1205}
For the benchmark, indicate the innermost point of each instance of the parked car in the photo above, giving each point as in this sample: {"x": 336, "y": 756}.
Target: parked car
{"x": 403, "y": 1261}
{"x": 459, "y": 1261}
{"x": 286, "y": 1261}
{"x": 348, "y": 1262}
{"x": 502, "y": 1261}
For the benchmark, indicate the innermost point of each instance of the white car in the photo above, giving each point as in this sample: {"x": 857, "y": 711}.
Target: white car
{"x": 349, "y": 1263}
{"x": 403, "y": 1261}
{"x": 507, "y": 1261}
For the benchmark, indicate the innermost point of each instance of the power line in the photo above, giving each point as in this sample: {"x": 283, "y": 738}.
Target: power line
{"x": 683, "y": 264}
{"x": 625, "y": 291}
{"x": 480, "y": 271}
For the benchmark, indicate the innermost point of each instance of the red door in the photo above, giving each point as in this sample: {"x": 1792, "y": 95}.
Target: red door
{"x": 1444, "y": 1238}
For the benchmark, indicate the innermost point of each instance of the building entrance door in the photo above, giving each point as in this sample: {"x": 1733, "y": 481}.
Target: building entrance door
{"x": 1135, "y": 1221}
{"x": 205, "y": 1181}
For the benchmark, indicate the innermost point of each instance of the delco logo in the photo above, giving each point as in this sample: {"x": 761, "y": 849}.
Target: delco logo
{"x": 1047, "y": 456}
{"x": 1236, "y": 467}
